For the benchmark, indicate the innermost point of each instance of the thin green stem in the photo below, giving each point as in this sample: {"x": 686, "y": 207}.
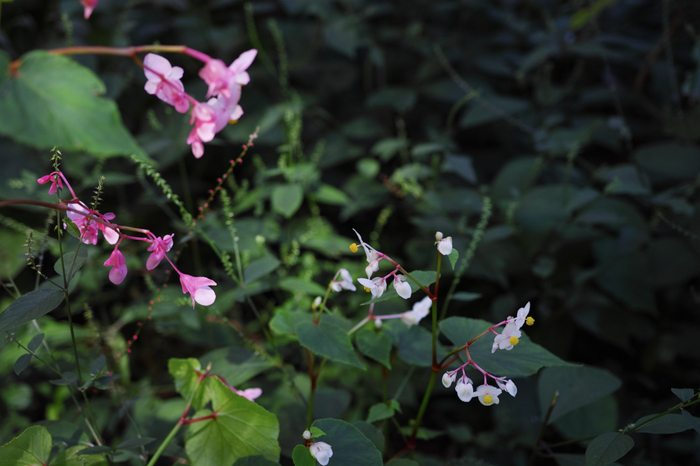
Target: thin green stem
{"x": 310, "y": 408}
{"x": 169, "y": 438}
{"x": 423, "y": 405}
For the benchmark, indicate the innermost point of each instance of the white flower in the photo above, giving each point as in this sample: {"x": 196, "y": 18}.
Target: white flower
{"x": 373, "y": 265}
{"x": 448, "y": 378}
{"x": 420, "y": 310}
{"x": 377, "y": 285}
{"x": 508, "y": 386}
{"x": 306, "y": 435}
{"x": 373, "y": 256}
{"x": 345, "y": 282}
{"x": 321, "y": 451}
{"x": 488, "y": 395}
{"x": 506, "y": 340}
{"x": 402, "y": 287}
{"x": 444, "y": 245}
{"x": 522, "y": 316}
{"x": 465, "y": 389}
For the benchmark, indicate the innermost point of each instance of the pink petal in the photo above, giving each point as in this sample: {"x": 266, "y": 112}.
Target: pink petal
{"x": 156, "y": 64}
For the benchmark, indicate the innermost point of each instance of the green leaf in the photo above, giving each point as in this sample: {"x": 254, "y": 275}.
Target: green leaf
{"x": 22, "y": 363}
{"x": 296, "y": 284}
{"x": 287, "y": 198}
{"x": 31, "y": 447}
{"x": 51, "y": 100}
{"x": 382, "y": 411}
{"x": 241, "y": 428}
{"x": 693, "y": 421}
{"x": 327, "y": 194}
{"x": 350, "y": 446}
{"x": 72, "y": 262}
{"x": 256, "y": 460}
{"x": 414, "y": 343}
{"x": 525, "y": 359}
{"x": 135, "y": 442}
{"x": 260, "y": 268}
{"x": 461, "y": 165}
{"x": 316, "y": 432}
{"x": 35, "y": 342}
{"x": 28, "y": 307}
{"x": 402, "y": 462}
{"x": 577, "y": 387}
{"x": 372, "y": 433}
{"x": 329, "y": 341}
{"x": 98, "y": 450}
{"x": 608, "y": 448}
{"x": 74, "y": 456}
{"x": 669, "y": 161}
{"x": 454, "y": 257}
{"x": 426, "y": 278}
{"x": 236, "y": 365}
{"x": 98, "y": 364}
{"x": 667, "y": 424}
{"x": 302, "y": 456}
{"x": 479, "y": 114}
{"x": 186, "y": 374}
{"x": 683, "y": 393}
{"x": 376, "y": 345}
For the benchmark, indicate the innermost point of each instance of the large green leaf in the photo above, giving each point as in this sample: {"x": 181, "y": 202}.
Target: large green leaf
{"x": 32, "y": 447}
{"x": 350, "y": 446}
{"x": 670, "y": 161}
{"x": 329, "y": 341}
{"x": 287, "y": 198}
{"x": 28, "y": 307}
{"x": 72, "y": 457}
{"x": 260, "y": 268}
{"x": 668, "y": 424}
{"x": 577, "y": 387}
{"x": 376, "y": 345}
{"x": 608, "y": 448}
{"x": 241, "y": 428}
{"x": 50, "y": 100}
{"x": 71, "y": 261}
{"x": 524, "y": 359}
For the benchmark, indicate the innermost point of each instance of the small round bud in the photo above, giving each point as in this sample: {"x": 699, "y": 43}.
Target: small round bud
{"x": 447, "y": 380}
{"x": 317, "y": 302}
{"x": 378, "y": 323}
{"x": 438, "y": 236}
{"x": 306, "y": 435}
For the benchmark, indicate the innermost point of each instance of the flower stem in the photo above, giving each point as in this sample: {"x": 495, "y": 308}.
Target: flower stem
{"x": 423, "y": 406}
{"x": 182, "y": 421}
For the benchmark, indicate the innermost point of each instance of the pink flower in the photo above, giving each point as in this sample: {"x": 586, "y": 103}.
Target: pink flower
{"x": 249, "y": 393}
{"x": 55, "y": 179}
{"x": 198, "y": 288}
{"x": 222, "y": 80}
{"x": 89, "y": 5}
{"x": 118, "y": 263}
{"x": 88, "y": 227}
{"x": 164, "y": 82}
{"x": 159, "y": 247}
{"x": 212, "y": 117}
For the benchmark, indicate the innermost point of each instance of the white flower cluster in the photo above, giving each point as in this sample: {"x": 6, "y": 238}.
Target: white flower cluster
{"x": 377, "y": 286}
{"x": 511, "y": 332}
{"x": 487, "y": 394}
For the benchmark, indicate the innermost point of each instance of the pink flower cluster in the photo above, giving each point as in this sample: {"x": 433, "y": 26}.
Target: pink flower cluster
{"x": 224, "y": 92}
{"x": 89, "y": 222}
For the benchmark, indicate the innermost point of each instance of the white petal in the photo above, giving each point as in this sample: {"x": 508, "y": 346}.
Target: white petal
{"x": 205, "y": 296}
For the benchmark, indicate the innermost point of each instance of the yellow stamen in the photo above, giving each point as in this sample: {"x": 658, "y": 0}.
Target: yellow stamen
{"x": 353, "y": 247}
{"x": 514, "y": 341}
{"x": 367, "y": 289}
{"x": 529, "y": 321}
{"x": 488, "y": 399}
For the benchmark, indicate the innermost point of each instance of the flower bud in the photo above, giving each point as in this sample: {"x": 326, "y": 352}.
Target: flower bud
{"x": 306, "y": 435}
{"x": 447, "y": 379}
{"x": 378, "y": 323}
{"x": 438, "y": 236}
